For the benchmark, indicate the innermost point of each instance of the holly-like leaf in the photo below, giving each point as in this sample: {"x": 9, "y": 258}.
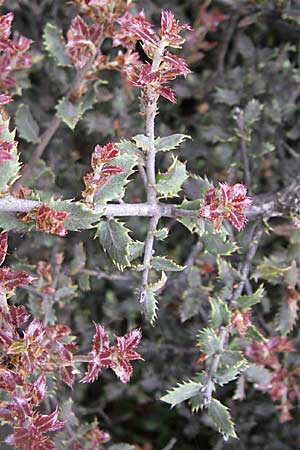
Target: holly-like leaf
{"x": 216, "y": 244}
{"x": 9, "y": 221}
{"x": 182, "y": 392}
{"x": 195, "y": 296}
{"x": 165, "y": 264}
{"x": 80, "y": 217}
{"x": 194, "y": 225}
{"x": 9, "y": 169}
{"x": 27, "y": 126}
{"x": 169, "y": 183}
{"x": 55, "y": 44}
{"x": 270, "y": 272}
{"x": 287, "y": 317}
{"x": 114, "y": 188}
{"x": 115, "y": 240}
{"x": 253, "y": 334}
{"x": 150, "y": 306}
{"x": 209, "y": 342}
{"x": 161, "y": 233}
{"x": 252, "y": 112}
{"x": 221, "y": 418}
{"x": 70, "y": 112}
{"x": 227, "y": 374}
{"x": 142, "y": 141}
{"x": 244, "y": 302}
{"x": 219, "y": 312}
{"x": 171, "y": 142}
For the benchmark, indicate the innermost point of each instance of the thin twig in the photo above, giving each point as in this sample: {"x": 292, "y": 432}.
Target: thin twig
{"x": 240, "y": 120}
{"x": 207, "y": 388}
{"x": 46, "y": 137}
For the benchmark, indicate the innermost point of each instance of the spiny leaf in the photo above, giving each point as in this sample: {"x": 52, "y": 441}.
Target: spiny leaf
{"x": 26, "y": 125}
{"x": 195, "y": 296}
{"x": 229, "y": 373}
{"x": 246, "y": 301}
{"x": 55, "y": 44}
{"x": 70, "y": 113}
{"x": 194, "y": 225}
{"x": 9, "y": 170}
{"x": 9, "y": 221}
{"x": 115, "y": 240}
{"x": 171, "y": 142}
{"x": 221, "y": 418}
{"x": 150, "y": 306}
{"x": 165, "y": 264}
{"x": 227, "y": 96}
{"x": 219, "y": 312}
{"x": 169, "y": 183}
{"x": 114, "y": 188}
{"x": 121, "y": 447}
{"x": 253, "y": 334}
{"x": 80, "y": 216}
{"x": 161, "y": 233}
{"x": 142, "y": 141}
{"x": 209, "y": 342}
{"x": 216, "y": 244}
{"x": 287, "y": 317}
{"x": 180, "y": 393}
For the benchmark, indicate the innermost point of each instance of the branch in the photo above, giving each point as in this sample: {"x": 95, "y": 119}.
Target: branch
{"x": 46, "y": 137}
{"x": 208, "y": 386}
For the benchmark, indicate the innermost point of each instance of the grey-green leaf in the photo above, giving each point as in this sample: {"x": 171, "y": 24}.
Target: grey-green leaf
{"x": 169, "y": 183}
{"x": 27, "y": 126}
{"x": 165, "y": 264}
{"x": 55, "y": 44}
{"x": 171, "y": 142}
{"x": 221, "y": 418}
{"x": 115, "y": 240}
{"x": 219, "y": 312}
{"x": 180, "y": 393}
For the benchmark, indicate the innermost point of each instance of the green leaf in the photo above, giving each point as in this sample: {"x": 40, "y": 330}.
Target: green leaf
{"x": 287, "y": 317}
{"x": 180, "y": 393}
{"x": 55, "y": 44}
{"x": 246, "y": 301}
{"x": 219, "y": 312}
{"x": 169, "y": 184}
{"x": 195, "y": 296}
{"x": 165, "y": 264}
{"x": 216, "y": 244}
{"x": 149, "y": 301}
{"x": 270, "y": 272}
{"x": 114, "y": 188}
{"x": 171, "y": 142}
{"x": 142, "y": 141}
{"x": 9, "y": 170}
{"x": 194, "y": 225}
{"x": 161, "y": 233}
{"x": 221, "y": 418}
{"x": 253, "y": 333}
{"x": 258, "y": 374}
{"x": 114, "y": 238}
{"x": 80, "y": 216}
{"x": 79, "y": 260}
{"x": 9, "y": 221}
{"x": 209, "y": 342}
{"x": 150, "y": 306}
{"x": 26, "y": 125}
{"x": 229, "y": 373}
{"x": 252, "y": 112}
{"x": 70, "y": 113}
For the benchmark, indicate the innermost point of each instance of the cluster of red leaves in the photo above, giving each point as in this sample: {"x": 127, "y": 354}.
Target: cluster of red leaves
{"x": 147, "y": 76}
{"x": 116, "y": 357}
{"x": 102, "y": 171}
{"x": 10, "y": 279}
{"x": 94, "y": 436}
{"x": 83, "y": 41}
{"x": 240, "y": 320}
{"x": 284, "y": 385}
{"x": 13, "y": 53}
{"x": 227, "y": 202}
{"x": 46, "y": 219}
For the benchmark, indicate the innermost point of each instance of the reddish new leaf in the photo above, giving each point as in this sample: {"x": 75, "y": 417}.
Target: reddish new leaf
{"x": 3, "y": 247}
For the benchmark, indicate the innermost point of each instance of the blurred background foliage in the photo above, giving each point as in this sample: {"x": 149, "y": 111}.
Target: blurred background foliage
{"x": 250, "y": 50}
